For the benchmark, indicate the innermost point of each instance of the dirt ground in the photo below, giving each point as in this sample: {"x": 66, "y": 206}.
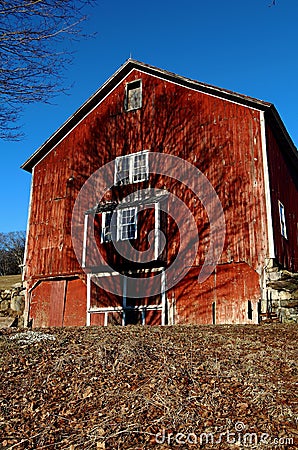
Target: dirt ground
{"x": 184, "y": 387}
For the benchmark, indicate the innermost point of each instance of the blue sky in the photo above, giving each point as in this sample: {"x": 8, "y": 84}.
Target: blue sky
{"x": 242, "y": 45}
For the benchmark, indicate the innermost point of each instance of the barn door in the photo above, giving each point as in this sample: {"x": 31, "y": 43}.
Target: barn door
{"x": 106, "y": 308}
{"x": 47, "y": 303}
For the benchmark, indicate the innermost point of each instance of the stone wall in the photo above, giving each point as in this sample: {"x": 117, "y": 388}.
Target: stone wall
{"x": 281, "y": 294}
{"x": 12, "y": 303}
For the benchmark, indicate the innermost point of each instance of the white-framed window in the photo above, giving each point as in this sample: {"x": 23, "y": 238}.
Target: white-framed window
{"x": 140, "y": 167}
{"x": 133, "y": 95}
{"x": 106, "y": 226}
{"x": 282, "y": 220}
{"x": 131, "y": 168}
{"x": 126, "y": 227}
{"x": 127, "y": 224}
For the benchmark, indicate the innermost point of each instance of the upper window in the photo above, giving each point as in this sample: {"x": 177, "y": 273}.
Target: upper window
{"x": 133, "y": 95}
{"x": 282, "y": 219}
{"x": 131, "y": 168}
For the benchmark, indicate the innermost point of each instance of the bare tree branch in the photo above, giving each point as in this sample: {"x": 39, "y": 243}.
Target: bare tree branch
{"x": 12, "y": 246}
{"x": 34, "y": 53}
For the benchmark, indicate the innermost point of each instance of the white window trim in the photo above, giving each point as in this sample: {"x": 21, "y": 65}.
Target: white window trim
{"x": 119, "y": 223}
{"x": 127, "y": 87}
{"x": 85, "y": 237}
{"x": 282, "y": 220}
{"x": 131, "y": 169}
{"x": 119, "y": 226}
{"x": 103, "y": 227}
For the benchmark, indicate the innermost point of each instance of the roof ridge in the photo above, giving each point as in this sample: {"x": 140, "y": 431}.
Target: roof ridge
{"x": 123, "y": 71}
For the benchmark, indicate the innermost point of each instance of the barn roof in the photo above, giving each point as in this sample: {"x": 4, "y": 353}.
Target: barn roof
{"x": 124, "y": 70}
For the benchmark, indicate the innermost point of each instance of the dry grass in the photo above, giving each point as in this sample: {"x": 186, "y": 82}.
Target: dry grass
{"x": 6, "y": 282}
{"x": 134, "y": 387}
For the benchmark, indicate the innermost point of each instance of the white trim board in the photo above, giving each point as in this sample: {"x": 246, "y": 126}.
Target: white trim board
{"x": 267, "y": 188}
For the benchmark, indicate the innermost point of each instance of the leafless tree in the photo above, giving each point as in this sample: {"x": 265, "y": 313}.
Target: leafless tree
{"x": 35, "y": 50}
{"x": 12, "y": 246}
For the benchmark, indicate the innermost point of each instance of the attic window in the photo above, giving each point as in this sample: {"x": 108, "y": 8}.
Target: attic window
{"x": 282, "y": 220}
{"x": 131, "y": 168}
{"x": 133, "y": 95}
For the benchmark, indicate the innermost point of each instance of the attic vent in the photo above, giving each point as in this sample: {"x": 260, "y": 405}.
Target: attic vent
{"x": 133, "y": 95}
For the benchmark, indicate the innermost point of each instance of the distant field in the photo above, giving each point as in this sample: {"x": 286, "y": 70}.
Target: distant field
{"x": 7, "y": 281}
{"x": 141, "y": 388}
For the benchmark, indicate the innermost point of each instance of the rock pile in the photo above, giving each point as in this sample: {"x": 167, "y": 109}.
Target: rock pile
{"x": 282, "y": 288}
{"x": 12, "y": 303}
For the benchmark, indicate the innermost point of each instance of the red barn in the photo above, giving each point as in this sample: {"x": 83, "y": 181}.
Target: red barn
{"x": 161, "y": 200}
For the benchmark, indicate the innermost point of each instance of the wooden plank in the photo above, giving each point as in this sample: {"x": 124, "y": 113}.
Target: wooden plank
{"x": 57, "y": 302}
{"x": 222, "y": 139}
{"x": 230, "y": 287}
{"x": 40, "y": 305}
{"x": 75, "y": 304}
{"x": 98, "y": 319}
{"x": 284, "y": 188}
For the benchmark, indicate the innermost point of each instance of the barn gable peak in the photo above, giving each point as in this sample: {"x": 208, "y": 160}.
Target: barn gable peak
{"x": 122, "y": 72}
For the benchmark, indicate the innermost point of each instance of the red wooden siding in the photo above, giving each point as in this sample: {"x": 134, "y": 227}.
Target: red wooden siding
{"x": 222, "y": 139}
{"x": 229, "y": 288}
{"x": 40, "y": 304}
{"x": 47, "y": 303}
{"x": 75, "y": 304}
{"x": 284, "y": 187}
{"x": 145, "y": 225}
{"x": 58, "y": 303}
{"x": 97, "y": 319}
{"x": 102, "y": 299}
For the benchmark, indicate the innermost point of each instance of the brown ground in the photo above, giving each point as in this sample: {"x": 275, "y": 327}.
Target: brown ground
{"x": 130, "y": 388}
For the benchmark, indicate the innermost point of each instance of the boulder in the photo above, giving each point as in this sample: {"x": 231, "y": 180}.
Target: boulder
{"x": 6, "y": 322}
{"x": 4, "y": 305}
{"x": 17, "y": 303}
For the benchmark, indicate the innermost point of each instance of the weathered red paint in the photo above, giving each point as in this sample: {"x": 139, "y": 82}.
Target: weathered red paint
{"x": 221, "y": 135}
{"x": 284, "y": 185}
{"x": 57, "y": 303}
{"x": 217, "y": 130}
{"x": 229, "y": 288}
{"x": 97, "y": 319}
{"x": 75, "y": 303}
{"x": 58, "y": 290}
{"x": 47, "y": 303}
{"x": 40, "y": 299}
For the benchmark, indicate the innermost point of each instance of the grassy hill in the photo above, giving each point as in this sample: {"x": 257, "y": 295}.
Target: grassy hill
{"x": 9, "y": 280}
{"x": 184, "y": 387}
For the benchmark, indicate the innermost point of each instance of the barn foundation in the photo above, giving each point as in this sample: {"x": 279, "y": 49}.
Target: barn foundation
{"x": 280, "y": 294}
